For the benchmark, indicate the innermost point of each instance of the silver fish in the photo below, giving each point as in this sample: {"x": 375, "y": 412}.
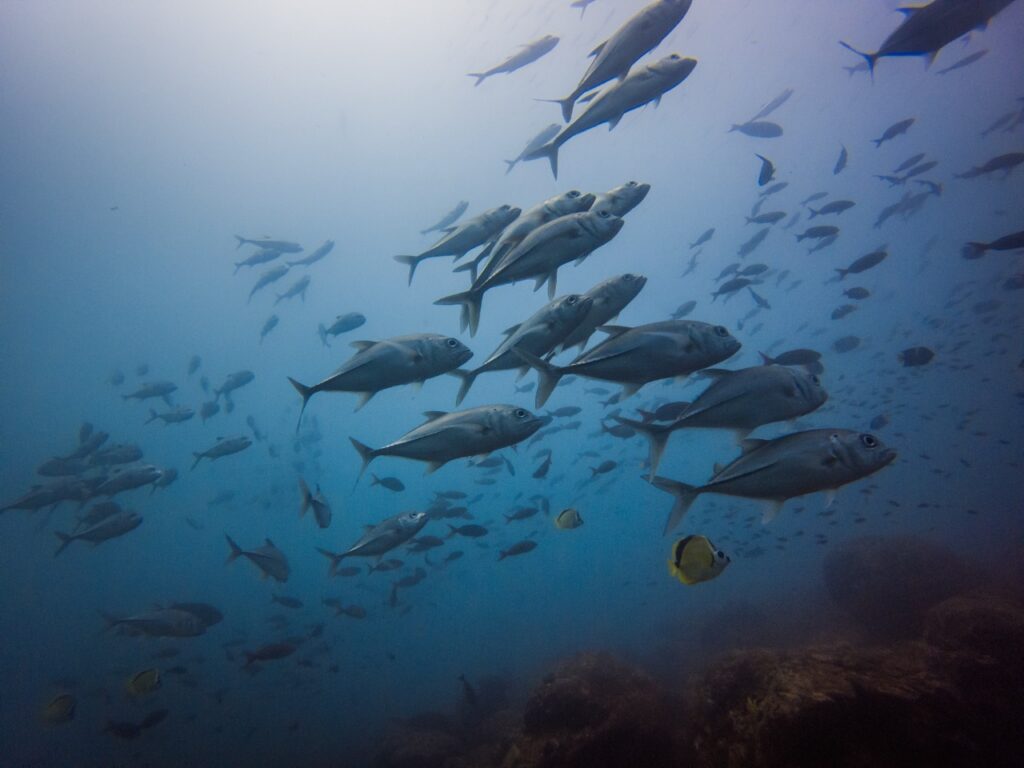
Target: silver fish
{"x": 530, "y": 53}
{"x": 269, "y": 559}
{"x": 608, "y": 299}
{"x": 225, "y": 446}
{"x": 380, "y": 538}
{"x": 110, "y": 527}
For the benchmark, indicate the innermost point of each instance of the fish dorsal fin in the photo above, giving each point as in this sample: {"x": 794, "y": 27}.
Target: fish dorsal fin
{"x": 362, "y": 346}
{"x": 631, "y": 388}
{"x": 771, "y": 511}
{"x": 269, "y": 543}
{"x": 909, "y": 10}
{"x": 512, "y": 329}
{"x": 717, "y": 468}
{"x": 434, "y": 415}
{"x": 613, "y": 330}
{"x": 368, "y": 527}
{"x": 613, "y": 122}
{"x": 597, "y": 51}
{"x": 751, "y": 444}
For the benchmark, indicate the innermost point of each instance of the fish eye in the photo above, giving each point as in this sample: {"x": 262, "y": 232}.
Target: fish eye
{"x": 572, "y": 300}
{"x": 815, "y": 379}
{"x": 603, "y": 214}
{"x": 674, "y": 57}
{"x": 721, "y": 330}
{"x": 630, "y": 183}
{"x": 520, "y": 413}
{"x": 452, "y": 343}
{"x": 574, "y": 193}
{"x": 869, "y": 441}
{"x": 629, "y": 276}
{"x": 720, "y": 555}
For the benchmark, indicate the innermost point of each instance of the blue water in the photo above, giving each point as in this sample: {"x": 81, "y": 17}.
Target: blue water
{"x": 137, "y": 139}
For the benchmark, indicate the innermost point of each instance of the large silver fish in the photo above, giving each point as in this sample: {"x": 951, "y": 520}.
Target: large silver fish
{"x": 613, "y": 58}
{"x": 163, "y": 622}
{"x": 538, "y": 334}
{"x": 646, "y": 85}
{"x": 390, "y": 363}
{"x": 380, "y": 539}
{"x": 608, "y": 299}
{"x": 446, "y": 436}
{"x": 539, "y": 255}
{"x": 269, "y": 559}
{"x": 741, "y": 401}
{"x": 267, "y": 244}
{"x": 317, "y": 502}
{"x": 111, "y": 527}
{"x": 530, "y": 53}
{"x": 448, "y": 219}
{"x": 623, "y": 199}
{"x": 465, "y": 237}
{"x": 786, "y": 467}
{"x": 542, "y": 138}
{"x": 635, "y": 356}
{"x": 225, "y": 446}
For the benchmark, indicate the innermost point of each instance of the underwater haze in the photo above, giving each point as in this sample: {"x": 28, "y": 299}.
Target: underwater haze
{"x": 174, "y": 176}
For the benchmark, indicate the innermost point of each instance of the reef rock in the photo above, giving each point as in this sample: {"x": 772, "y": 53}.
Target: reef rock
{"x": 888, "y": 584}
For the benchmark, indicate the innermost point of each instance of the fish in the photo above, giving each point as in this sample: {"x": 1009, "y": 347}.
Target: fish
{"x": 538, "y": 256}
{"x": 97, "y": 514}
{"x": 380, "y": 365}
{"x": 539, "y": 140}
{"x": 342, "y": 324}
{"x": 683, "y": 309}
{"x": 143, "y": 683}
{"x": 208, "y": 409}
{"x": 315, "y": 256}
{"x": 266, "y": 243}
{"x": 582, "y": 5}
{"x": 1011, "y": 242}
{"x": 465, "y": 237}
{"x": 288, "y": 602}
{"x": 894, "y": 130}
{"x": 748, "y": 247}
{"x": 767, "y": 172}
{"x": 758, "y": 129}
{"x": 448, "y": 219}
{"x": 538, "y": 334}
{"x": 846, "y": 344}
{"x": 59, "y": 710}
{"x": 162, "y": 622}
{"x": 161, "y": 389}
{"x": 298, "y": 288}
{"x": 965, "y": 61}
{"x": 268, "y": 559}
{"x": 842, "y": 311}
{"x": 380, "y": 539}
{"x": 225, "y": 446}
{"x": 915, "y": 356}
{"x": 730, "y": 287}
{"x": 695, "y": 559}
{"x": 127, "y": 479}
{"x": 786, "y": 467}
{"x": 603, "y": 468}
{"x": 863, "y": 264}
{"x": 740, "y": 401}
{"x": 818, "y": 232}
{"x": 530, "y": 53}
{"x": 262, "y": 256}
{"x": 926, "y": 29}
{"x": 391, "y": 483}
{"x": 234, "y": 381}
{"x": 206, "y": 613}
{"x": 835, "y": 206}
{"x": 623, "y": 199}
{"x": 110, "y": 527}
{"x": 470, "y": 530}
{"x": 519, "y": 548}
{"x": 705, "y": 237}
{"x": 910, "y": 162}
{"x": 568, "y": 519}
{"x": 774, "y": 217}
{"x": 772, "y": 105}
{"x": 447, "y": 436}
{"x": 857, "y": 293}
{"x": 841, "y": 161}
{"x": 269, "y": 652}
{"x": 176, "y": 416}
{"x": 773, "y": 189}
{"x": 268, "y": 326}
{"x": 645, "y": 353}
{"x": 317, "y": 502}
{"x": 640, "y": 87}
{"x": 271, "y": 275}
{"x": 613, "y": 58}
{"x": 1005, "y": 163}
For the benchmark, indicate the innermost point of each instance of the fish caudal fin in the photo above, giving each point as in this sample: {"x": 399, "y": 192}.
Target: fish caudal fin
{"x": 152, "y": 416}
{"x": 64, "y": 539}
{"x": 241, "y": 241}
{"x": 870, "y": 58}
{"x": 471, "y": 302}
{"x": 685, "y": 496}
{"x": 322, "y": 333}
{"x": 305, "y": 497}
{"x": 550, "y": 151}
{"x": 480, "y": 77}
{"x": 412, "y": 261}
{"x": 467, "y": 378}
{"x": 366, "y": 453}
{"x": 306, "y": 393}
{"x": 236, "y": 551}
{"x": 334, "y": 557}
{"x": 199, "y": 457}
{"x": 548, "y": 375}
{"x": 656, "y": 434}
{"x": 511, "y": 164}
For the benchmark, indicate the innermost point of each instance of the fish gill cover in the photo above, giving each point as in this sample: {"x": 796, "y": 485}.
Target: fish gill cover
{"x": 673, "y": 329}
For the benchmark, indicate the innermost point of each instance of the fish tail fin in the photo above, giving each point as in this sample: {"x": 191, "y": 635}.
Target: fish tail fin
{"x": 467, "y": 378}
{"x": 548, "y": 375}
{"x": 412, "y": 261}
{"x": 480, "y": 77}
{"x": 109, "y": 621}
{"x": 974, "y": 250}
{"x": 877, "y": 143}
{"x": 305, "y": 497}
{"x": 550, "y": 151}
{"x": 471, "y": 302}
{"x": 511, "y": 164}
{"x": 656, "y": 434}
{"x": 685, "y": 496}
{"x": 199, "y": 457}
{"x": 814, "y": 212}
{"x": 235, "y": 552}
{"x": 452, "y": 531}
{"x": 238, "y": 266}
{"x": 306, "y": 393}
{"x": 322, "y": 333}
{"x": 64, "y": 539}
{"x": 152, "y": 416}
{"x": 870, "y": 58}
{"x": 241, "y": 241}
{"x": 366, "y": 453}
{"x": 766, "y": 360}
{"x": 842, "y": 273}
{"x": 334, "y": 557}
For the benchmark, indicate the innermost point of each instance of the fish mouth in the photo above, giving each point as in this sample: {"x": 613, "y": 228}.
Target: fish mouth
{"x": 887, "y": 457}
{"x": 464, "y": 356}
{"x": 587, "y": 201}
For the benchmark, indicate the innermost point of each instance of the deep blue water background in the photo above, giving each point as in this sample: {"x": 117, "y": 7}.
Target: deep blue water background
{"x": 360, "y": 125}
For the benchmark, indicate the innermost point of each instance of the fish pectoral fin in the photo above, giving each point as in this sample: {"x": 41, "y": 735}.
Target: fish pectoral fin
{"x": 613, "y": 122}
{"x": 631, "y": 388}
{"x": 511, "y": 329}
{"x": 771, "y": 512}
{"x": 433, "y": 466}
{"x": 597, "y": 51}
{"x": 364, "y": 398}
{"x": 830, "y": 497}
{"x": 751, "y": 444}
{"x": 361, "y": 345}
{"x": 613, "y": 330}
{"x": 433, "y": 415}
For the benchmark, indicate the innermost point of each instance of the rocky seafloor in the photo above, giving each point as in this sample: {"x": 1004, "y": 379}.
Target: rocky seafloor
{"x": 930, "y": 672}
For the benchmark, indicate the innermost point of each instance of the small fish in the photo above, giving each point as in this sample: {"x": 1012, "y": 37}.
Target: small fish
{"x": 915, "y": 356}
{"x": 60, "y": 709}
{"x": 841, "y": 160}
{"x": 964, "y": 62}
{"x": 268, "y": 559}
{"x": 391, "y": 483}
{"x": 758, "y": 129}
{"x": 705, "y": 237}
{"x": 568, "y": 519}
{"x": 519, "y": 548}
{"x": 894, "y": 130}
{"x": 767, "y": 172}
{"x": 143, "y": 683}
{"x": 696, "y": 559}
